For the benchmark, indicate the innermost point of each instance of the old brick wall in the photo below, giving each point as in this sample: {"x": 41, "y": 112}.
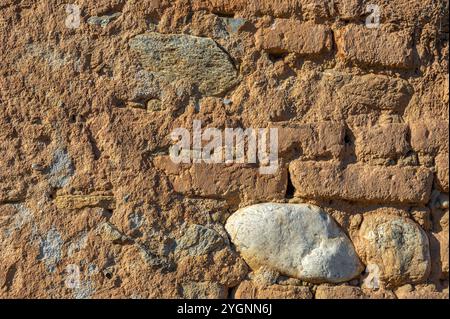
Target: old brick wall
{"x": 91, "y": 205}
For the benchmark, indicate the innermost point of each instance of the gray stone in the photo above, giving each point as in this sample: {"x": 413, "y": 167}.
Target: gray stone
{"x": 199, "y": 240}
{"x": 50, "y": 249}
{"x": 234, "y": 24}
{"x": 103, "y": 21}
{"x": 297, "y": 240}
{"x": 61, "y": 169}
{"x": 175, "y": 56}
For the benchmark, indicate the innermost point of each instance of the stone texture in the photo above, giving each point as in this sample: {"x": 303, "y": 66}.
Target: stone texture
{"x": 421, "y": 294}
{"x": 199, "y": 60}
{"x": 301, "y": 241}
{"x": 349, "y": 292}
{"x": 83, "y": 201}
{"x": 350, "y": 9}
{"x": 204, "y": 290}
{"x": 359, "y": 182}
{"x": 86, "y": 116}
{"x": 199, "y": 240}
{"x": 372, "y": 48}
{"x": 396, "y": 247}
{"x": 249, "y": 290}
{"x": 439, "y": 235}
{"x": 287, "y": 36}
{"x": 442, "y": 174}
{"x": 278, "y": 8}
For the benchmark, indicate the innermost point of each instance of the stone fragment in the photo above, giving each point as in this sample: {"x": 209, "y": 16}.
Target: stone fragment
{"x": 110, "y": 232}
{"x": 50, "y": 249}
{"x": 204, "y": 290}
{"x": 358, "y": 182}
{"x": 234, "y": 25}
{"x": 439, "y": 251}
{"x": 178, "y": 56}
{"x": 288, "y": 36}
{"x": 103, "y": 21}
{"x": 339, "y": 292}
{"x": 349, "y": 292}
{"x": 199, "y": 240}
{"x": 297, "y": 240}
{"x": 350, "y": 9}
{"x": 249, "y": 290}
{"x": 395, "y": 249}
{"x": 442, "y": 171}
{"x": 223, "y": 266}
{"x": 277, "y": 8}
{"x": 375, "y": 47}
{"x": 83, "y": 201}
{"x": 421, "y": 294}
{"x": 61, "y": 169}
{"x": 439, "y": 236}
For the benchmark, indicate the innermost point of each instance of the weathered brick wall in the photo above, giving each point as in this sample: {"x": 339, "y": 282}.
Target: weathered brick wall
{"x": 91, "y": 205}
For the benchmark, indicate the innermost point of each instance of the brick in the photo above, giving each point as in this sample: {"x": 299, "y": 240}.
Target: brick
{"x": 430, "y": 137}
{"x": 360, "y": 45}
{"x": 351, "y": 94}
{"x": 287, "y": 36}
{"x": 349, "y": 292}
{"x": 276, "y": 8}
{"x": 222, "y": 181}
{"x": 358, "y": 182}
{"x": 386, "y": 141}
{"x": 422, "y": 294}
{"x": 250, "y": 290}
{"x": 313, "y": 140}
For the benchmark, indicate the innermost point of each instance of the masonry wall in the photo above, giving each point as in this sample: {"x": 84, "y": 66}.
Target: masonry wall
{"x": 91, "y": 205}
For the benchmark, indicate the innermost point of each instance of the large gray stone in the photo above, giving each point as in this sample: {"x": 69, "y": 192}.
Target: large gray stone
{"x": 175, "y": 56}
{"x": 297, "y": 240}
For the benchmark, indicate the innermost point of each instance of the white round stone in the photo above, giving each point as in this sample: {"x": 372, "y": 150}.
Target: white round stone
{"x": 297, "y": 240}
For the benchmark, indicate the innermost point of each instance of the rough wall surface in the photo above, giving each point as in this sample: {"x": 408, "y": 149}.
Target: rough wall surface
{"x": 91, "y": 205}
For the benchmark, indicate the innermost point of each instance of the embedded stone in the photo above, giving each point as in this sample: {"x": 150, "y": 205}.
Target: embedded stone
{"x": 395, "y": 249}
{"x": 198, "y": 60}
{"x": 297, "y": 240}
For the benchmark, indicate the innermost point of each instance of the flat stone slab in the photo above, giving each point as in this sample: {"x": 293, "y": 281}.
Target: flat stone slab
{"x": 178, "y": 56}
{"x": 297, "y": 240}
